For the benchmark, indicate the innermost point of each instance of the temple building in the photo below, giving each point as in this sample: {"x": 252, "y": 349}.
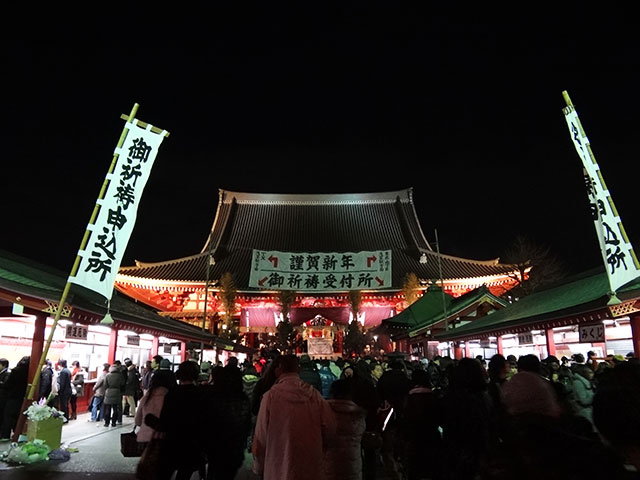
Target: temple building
{"x": 320, "y": 248}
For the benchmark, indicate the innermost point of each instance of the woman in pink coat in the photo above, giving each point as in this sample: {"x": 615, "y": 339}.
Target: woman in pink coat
{"x": 152, "y": 402}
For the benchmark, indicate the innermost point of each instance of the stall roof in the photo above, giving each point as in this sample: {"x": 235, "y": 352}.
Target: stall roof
{"x": 43, "y": 285}
{"x": 579, "y": 295}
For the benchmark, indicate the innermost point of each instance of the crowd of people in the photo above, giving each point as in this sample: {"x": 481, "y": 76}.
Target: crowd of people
{"x": 363, "y": 418}
{"x": 304, "y": 418}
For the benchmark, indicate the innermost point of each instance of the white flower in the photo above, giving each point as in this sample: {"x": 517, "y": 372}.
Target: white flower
{"x": 41, "y": 411}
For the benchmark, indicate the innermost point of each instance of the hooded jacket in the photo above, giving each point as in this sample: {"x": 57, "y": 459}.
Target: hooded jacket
{"x": 293, "y": 426}
{"x": 114, "y": 383}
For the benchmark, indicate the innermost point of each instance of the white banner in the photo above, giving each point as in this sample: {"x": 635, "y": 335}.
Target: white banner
{"x": 321, "y": 272}
{"x": 118, "y": 210}
{"x": 619, "y": 258}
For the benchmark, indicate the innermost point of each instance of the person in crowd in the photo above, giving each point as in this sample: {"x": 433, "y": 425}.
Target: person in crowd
{"x": 152, "y": 402}
{"x": 181, "y": 424}
{"x": 309, "y": 374}
{"x": 99, "y": 389}
{"x": 228, "y": 410}
{"x": 145, "y": 381}
{"x": 592, "y": 360}
{"x": 124, "y": 369}
{"x": 263, "y": 385}
{"x": 46, "y": 378}
{"x": 249, "y": 380}
{"x": 64, "y": 387}
{"x": 393, "y": 387}
{"x": 366, "y": 396}
{"x": 376, "y": 372}
{"x": 234, "y": 370}
{"x": 583, "y": 390}
{"x": 418, "y": 429}
{"x": 131, "y": 387}
{"x": 326, "y": 377}
{"x": 205, "y": 373}
{"x": 577, "y": 358}
{"x": 293, "y": 425}
{"x": 465, "y": 411}
{"x": 497, "y": 371}
{"x": 528, "y": 392}
{"x": 4, "y": 376}
{"x": 78, "y": 375}
{"x": 112, "y": 404}
{"x": 342, "y": 457}
{"x": 616, "y": 413}
{"x": 15, "y": 390}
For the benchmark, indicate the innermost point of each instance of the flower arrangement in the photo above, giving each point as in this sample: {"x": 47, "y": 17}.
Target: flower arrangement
{"x": 41, "y": 411}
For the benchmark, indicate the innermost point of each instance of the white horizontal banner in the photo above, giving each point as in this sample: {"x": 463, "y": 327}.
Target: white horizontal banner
{"x": 321, "y": 271}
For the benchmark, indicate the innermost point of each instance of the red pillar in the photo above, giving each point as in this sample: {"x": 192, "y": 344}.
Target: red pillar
{"x": 155, "y": 344}
{"x": 635, "y": 334}
{"x": 37, "y": 346}
{"x": 551, "y": 343}
{"x": 467, "y": 350}
{"x": 457, "y": 351}
{"x": 183, "y": 351}
{"x": 499, "y": 344}
{"x": 113, "y": 345}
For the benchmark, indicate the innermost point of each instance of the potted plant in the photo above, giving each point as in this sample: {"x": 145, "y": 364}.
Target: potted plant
{"x": 44, "y": 423}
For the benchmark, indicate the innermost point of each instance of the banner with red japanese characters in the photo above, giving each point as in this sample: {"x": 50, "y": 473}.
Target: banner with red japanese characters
{"x": 321, "y": 271}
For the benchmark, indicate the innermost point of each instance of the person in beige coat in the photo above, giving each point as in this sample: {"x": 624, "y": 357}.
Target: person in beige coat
{"x": 293, "y": 428}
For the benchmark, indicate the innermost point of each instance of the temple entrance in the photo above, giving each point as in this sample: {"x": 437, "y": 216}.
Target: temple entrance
{"x": 322, "y": 338}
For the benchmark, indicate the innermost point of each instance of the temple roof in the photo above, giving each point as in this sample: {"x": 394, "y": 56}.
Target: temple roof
{"x": 315, "y": 223}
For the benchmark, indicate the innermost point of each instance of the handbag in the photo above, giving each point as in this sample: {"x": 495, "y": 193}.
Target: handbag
{"x": 148, "y": 467}
{"x": 129, "y": 445}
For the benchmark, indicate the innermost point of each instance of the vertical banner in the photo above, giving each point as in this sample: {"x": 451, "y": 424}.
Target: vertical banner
{"x": 110, "y": 233}
{"x": 619, "y": 257}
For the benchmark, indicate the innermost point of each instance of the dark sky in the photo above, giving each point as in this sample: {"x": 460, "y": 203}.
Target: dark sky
{"x": 360, "y": 98}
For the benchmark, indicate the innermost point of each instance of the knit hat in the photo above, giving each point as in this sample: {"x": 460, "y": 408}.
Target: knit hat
{"x": 165, "y": 364}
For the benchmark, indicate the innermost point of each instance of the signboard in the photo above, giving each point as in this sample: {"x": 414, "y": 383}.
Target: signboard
{"x": 525, "y": 338}
{"x": 166, "y": 348}
{"x": 591, "y": 333}
{"x": 133, "y": 340}
{"x": 321, "y": 271}
{"x": 76, "y": 332}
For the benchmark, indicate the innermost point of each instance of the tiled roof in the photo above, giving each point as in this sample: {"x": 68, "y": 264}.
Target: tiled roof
{"x": 315, "y": 223}
{"x": 580, "y": 294}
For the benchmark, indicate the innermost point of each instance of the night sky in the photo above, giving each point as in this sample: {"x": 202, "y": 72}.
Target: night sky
{"x": 360, "y": 98}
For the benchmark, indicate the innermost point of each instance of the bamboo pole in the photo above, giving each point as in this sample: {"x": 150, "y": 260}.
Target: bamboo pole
{"x": 31, "y": 387}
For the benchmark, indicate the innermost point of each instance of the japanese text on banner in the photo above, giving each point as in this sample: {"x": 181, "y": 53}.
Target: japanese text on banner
{"x": 321, "y": 271}
{"x": 118, "y": 210}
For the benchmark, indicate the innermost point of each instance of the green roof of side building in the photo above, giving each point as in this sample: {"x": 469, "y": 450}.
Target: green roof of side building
{"x": 584, "y": 293}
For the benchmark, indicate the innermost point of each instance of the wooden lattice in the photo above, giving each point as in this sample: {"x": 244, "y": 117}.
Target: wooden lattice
{"x": 52, "y": 307}
{"x": 623, "y": 309}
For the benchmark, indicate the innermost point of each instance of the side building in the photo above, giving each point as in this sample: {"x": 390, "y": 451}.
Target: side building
{"x": 318, "y": 247}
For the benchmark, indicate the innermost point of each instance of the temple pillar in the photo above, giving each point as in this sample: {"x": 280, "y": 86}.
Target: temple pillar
{"x": 551, "y": 343}
{"x": 499, "y": 345}
{"x": 467, "y": 350}
{"x": 113, "y": 345}
{"x": 634, "y": 320}
{"x": 183, "y": 351}
{"x": 457, "y": 351}
{"x": 154, "y": 347}
{"x": 37, "y": 346}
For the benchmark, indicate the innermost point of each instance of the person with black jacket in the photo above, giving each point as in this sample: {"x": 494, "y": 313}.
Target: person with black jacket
{"x": 15, "y": 389}
{"x": 309, "y": 373}
{"x": 64, "y": 387}
{"x": 46, "y": 380}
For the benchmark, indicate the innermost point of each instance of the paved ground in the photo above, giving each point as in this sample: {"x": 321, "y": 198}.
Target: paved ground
{"x": 98, "y": 455}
